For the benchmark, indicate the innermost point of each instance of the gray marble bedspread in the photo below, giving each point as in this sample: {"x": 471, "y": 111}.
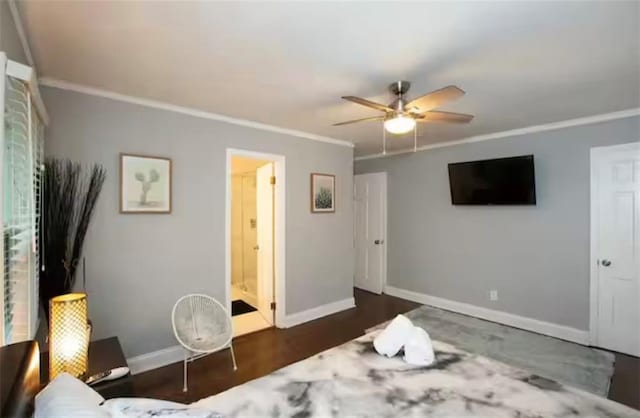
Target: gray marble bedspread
{"x": 352, "y": 380}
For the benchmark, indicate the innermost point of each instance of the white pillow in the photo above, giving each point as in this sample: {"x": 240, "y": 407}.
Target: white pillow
{"x": 145, "y": 408}
{"x": 66, "y": 397}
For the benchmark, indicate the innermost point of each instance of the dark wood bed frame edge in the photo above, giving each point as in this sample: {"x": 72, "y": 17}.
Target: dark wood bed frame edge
{"x": 19, "y": 379}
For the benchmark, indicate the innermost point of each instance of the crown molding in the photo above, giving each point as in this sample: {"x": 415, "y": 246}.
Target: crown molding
{"x": 22, "y": 35}
{"x": 92, "y": 91}
{"x": 604, "y": 117}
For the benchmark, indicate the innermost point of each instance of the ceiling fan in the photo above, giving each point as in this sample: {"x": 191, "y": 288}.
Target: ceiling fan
{"x": 401, "y": 115}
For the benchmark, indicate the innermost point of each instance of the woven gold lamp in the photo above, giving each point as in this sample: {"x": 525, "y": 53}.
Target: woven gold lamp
{"x": 68, "y": 335}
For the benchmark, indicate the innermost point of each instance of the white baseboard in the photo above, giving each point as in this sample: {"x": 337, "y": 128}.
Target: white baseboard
{"x": 541, "y": 327}
{"x": 155, "y": 359}
{"x": 318, "y": 312}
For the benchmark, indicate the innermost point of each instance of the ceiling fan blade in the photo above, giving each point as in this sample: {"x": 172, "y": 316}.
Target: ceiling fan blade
{"x": 434, "y": 99}
{"x": 368, "y": 103}
{"x": 359, "y": 120}
{"x": 438, "y": 116}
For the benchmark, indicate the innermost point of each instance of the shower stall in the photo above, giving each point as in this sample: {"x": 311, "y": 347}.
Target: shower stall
{"x": 244, "y": 244}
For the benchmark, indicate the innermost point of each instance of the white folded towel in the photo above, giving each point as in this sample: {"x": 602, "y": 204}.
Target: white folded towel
{"x": 390, "y": 340}
{"x": 418, "y": 349}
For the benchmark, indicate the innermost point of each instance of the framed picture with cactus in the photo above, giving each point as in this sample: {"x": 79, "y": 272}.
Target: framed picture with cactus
{"x": 323, "y": 193}
{"x": 145, "y": 184}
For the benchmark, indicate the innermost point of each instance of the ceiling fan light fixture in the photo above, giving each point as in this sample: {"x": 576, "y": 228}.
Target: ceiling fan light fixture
{"x": 399, "y": 124}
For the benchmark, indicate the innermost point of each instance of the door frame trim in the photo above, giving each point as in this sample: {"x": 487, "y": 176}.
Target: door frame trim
{"x": 596, "y": 156}
{"x": 280, "y": 228}
{"x": 386, "y": 232}
{"x": 385, "y": 216}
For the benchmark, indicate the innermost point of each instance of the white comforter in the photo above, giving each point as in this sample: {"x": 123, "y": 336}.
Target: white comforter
{"x": 353, "y": 380}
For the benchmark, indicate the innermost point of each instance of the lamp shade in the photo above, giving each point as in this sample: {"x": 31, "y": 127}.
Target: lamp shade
{"x": 68, "y": 335}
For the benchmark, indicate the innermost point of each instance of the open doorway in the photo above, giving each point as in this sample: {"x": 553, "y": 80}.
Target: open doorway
{"x": 251, "y": 233}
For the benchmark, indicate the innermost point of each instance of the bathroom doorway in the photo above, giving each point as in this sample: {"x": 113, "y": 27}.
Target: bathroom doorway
{"x": 252, "y": 236}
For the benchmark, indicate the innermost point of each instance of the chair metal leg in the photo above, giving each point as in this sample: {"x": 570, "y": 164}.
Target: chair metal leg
{"x": 184, "y": 387}
{"x": 233, "y": 357}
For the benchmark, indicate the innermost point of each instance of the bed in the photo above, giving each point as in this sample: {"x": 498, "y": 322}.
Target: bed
{"x": 353, "y": 380}
{"x": 19, "y": 378}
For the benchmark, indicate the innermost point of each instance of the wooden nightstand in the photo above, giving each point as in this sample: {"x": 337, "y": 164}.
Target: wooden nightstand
{"x": 104, "y": 355}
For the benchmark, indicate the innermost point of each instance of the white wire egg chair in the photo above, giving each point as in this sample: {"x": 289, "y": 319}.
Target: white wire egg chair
{"x": 202, "y": 326}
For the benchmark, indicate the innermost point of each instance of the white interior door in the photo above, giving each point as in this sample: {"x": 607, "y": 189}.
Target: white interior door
{"x": 264, "y": 230}
{"x": 616, "y": 247}
{"x": 370, "y": 205}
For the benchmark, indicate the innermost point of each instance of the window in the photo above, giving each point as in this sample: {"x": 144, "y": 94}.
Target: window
{"x": 22, "y": 153}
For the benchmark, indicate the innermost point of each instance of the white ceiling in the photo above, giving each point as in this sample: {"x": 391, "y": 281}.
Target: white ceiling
{"x": 287, "y": 64}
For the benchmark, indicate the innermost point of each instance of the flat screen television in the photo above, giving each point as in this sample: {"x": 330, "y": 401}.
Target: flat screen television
{"x": 501, "y": 181}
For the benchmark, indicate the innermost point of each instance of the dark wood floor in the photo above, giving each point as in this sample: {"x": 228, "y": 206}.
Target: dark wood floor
{"x": 263, "y": 352}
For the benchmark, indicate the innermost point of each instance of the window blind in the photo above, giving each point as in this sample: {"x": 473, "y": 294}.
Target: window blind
{"x": 37, "y": 152}
{"x": 21, "y": 176}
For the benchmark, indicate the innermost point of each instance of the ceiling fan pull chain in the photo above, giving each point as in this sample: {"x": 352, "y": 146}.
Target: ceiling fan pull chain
{"x": 415, "y": 138}
{"x": 384, "y": 140}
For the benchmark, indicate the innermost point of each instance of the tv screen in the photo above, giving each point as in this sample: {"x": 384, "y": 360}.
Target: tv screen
{"x": 502, "y": 181}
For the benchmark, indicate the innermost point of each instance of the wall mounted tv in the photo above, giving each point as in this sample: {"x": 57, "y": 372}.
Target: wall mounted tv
{"x": 501, "y": 181}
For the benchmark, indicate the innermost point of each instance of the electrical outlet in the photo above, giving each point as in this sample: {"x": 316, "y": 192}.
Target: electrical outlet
{"x": 493, "y": 295}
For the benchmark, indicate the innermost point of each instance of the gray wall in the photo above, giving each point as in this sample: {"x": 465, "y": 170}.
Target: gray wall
{"x": 9, "y": 40}
{"x": 138, "y": 265}
{"x": 537, "y": 257}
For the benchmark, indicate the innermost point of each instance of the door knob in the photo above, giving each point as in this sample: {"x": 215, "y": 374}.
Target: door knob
{"x": 378, "y": 242}
{"x": 606, "y": 263}
{"x": 256, "y": 247}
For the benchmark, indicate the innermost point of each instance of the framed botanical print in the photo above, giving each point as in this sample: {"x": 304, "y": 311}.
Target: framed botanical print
{"x": 323, "y": 193}
{"x": 145, "y": 184}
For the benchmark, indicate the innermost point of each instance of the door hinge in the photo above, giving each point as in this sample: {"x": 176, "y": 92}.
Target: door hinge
{"x": 273, "y": 180}
{"x": 273, "y": 306}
